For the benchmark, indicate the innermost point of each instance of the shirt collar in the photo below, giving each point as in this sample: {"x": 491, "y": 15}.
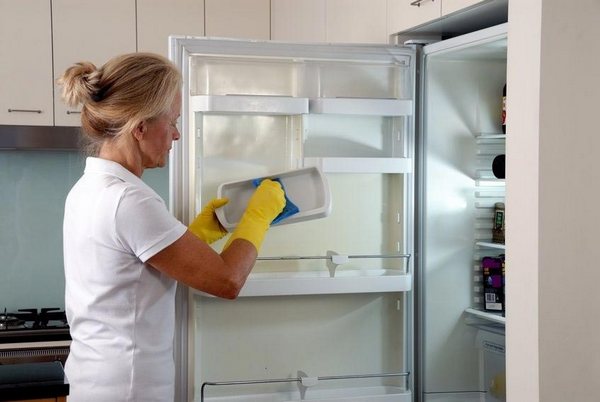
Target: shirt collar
{"x": 99, "y": 165}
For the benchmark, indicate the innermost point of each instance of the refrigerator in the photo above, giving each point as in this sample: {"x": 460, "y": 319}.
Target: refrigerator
{"x": 382, "y": 299}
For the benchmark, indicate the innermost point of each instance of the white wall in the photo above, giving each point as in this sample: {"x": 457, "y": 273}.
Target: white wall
{"x": 554, "y": 96}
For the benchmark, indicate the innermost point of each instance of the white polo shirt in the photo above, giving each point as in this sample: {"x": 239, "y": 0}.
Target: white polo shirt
{"x": 121, "y": 311}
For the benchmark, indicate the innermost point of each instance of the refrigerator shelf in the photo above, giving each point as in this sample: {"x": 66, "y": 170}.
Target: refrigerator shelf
{"x": 307, "y": 390}
{"x": 362, "y": 106}
{"x": 493, "y": 317}
{"x": 490, "y": 136}
{"x": 361, "y": 165}
{"x": 249, "y": 104}
{"x": 320, "y": 282}
{"x": 488, "y": 182}
{"x": 349, "y": 394}
{"x": 491, "y": 245}
{"x": 288, "y": 105}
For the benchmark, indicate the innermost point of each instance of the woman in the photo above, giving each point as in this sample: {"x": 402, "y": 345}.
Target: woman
{"x": 123, "y": 250}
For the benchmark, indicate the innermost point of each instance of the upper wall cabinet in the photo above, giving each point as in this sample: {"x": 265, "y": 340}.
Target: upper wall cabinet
{"x": 405, "y": 14}
{"x": 450, "y": 6}
{"x": 358, "y": 21}
{"x": 88, "y": 30}
{"x": 26, "y": 63}
{"x": 185, "y": 17}
{"x": 298, "y": 21}
{"x": 244, "y": 19}
{"x": 339, "y": 21}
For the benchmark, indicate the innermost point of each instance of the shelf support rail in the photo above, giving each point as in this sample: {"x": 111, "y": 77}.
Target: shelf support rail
{"x": 301, "y": 380}
{"x": 336, "y": 259}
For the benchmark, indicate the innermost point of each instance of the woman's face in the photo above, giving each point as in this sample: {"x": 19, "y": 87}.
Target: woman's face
{"x": 159, "y": 135}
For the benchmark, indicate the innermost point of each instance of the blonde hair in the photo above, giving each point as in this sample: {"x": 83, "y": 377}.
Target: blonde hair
{"x": 116, "y": 97}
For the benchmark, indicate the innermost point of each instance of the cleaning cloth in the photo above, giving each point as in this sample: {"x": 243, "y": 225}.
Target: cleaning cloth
{"x": 289, "y": 209}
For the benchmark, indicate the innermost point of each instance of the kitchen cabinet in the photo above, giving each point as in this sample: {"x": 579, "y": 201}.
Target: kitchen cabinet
{"x": 298, "y": 21}
{"x": 405, "y": 14}
{"x": 26, "y": 68}
{"x": 450, "y": 6}
{"x": 248, "y": 19}
{"x": 356, "y": 21}
{"x": 91, "y": 31}
{"x": 186, "y": 17}
{"x": 329, "y": 21}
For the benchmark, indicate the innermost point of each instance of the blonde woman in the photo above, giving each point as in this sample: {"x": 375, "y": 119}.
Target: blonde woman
{"x": 123, "y": 250}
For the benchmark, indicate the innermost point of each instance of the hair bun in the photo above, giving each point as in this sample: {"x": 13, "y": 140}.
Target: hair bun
{"x": 79, "y": 83}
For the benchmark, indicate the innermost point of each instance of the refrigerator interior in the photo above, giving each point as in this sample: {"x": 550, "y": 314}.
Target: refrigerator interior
{"x": 462, "y": 100}
{"x": 336, "y": 328}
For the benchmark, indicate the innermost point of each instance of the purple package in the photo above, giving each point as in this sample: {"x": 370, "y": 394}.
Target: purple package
{"x": 493, "y": 283}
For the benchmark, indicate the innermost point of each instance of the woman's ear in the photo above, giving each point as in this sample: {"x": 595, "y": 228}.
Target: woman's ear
{"x": 140, "y": 130}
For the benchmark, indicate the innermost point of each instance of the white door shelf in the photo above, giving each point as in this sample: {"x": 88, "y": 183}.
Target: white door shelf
{"x": 362, "y": 106}
{"x": 349, "y": 394}
{"x": 320, "y": 282}
{"x": 307, "y": 283}
{"x": 361, "y": 165}
{"x": 249, "y": 104}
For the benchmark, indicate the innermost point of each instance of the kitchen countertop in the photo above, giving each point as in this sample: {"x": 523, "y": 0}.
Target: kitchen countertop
{"x": 32, "y": 380}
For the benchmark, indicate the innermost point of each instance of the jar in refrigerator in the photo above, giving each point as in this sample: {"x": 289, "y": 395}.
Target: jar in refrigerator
{"x": 499, "y": 223}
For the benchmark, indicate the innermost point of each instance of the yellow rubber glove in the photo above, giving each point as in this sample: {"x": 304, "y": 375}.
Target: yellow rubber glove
{"x": 206, "y": 225}
{"x": 265, "y": 204}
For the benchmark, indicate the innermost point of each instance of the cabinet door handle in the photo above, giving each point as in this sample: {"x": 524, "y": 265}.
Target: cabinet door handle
{"x": 418, "y": 2}
{"x": 73, "y": 112}
{"x": 24, "y": 111}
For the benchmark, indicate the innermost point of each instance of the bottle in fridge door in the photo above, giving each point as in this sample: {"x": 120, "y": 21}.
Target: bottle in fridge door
{"x": 326, "y": 312}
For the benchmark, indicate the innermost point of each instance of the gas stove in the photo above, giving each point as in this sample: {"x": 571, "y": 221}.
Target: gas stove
{"x": 33, "y": 325}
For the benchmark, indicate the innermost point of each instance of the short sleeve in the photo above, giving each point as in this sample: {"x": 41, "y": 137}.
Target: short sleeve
{"x": 144, "y": 225}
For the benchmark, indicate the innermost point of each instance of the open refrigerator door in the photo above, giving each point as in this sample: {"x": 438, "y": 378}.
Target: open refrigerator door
{"x": 461, "y": 339}
{"x": 326, "y": 314}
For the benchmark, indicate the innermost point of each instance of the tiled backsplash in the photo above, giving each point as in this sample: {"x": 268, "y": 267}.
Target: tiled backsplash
{"x": 33, "y": 188}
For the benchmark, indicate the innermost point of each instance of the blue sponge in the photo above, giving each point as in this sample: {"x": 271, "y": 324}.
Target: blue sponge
{"x": 288, "y": 210}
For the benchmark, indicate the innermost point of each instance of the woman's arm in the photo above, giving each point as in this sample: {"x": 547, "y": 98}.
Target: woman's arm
{"x": 194, "y": 263}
